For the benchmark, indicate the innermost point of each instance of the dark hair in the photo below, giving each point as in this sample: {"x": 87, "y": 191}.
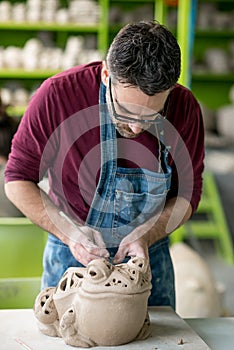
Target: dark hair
{"x": 145, "y": 54}
{"x": 8, "y": 127}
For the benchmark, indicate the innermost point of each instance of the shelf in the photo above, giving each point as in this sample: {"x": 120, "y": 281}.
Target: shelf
{"x": 49, "y": 26}
{"x": 223, "y": 1}
{"x": 24, "y": 74}
{"x": 212, "y": 94}
{"x": 211, "y": 88}
{"x": 215, "y": 33}
{"x": 211, "y": 77}
{"x": 133, "y": 1}
{"x": 16, "y": 110}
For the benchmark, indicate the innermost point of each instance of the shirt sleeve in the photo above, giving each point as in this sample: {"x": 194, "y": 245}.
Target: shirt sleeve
{"x": 36, "y": 126}
{"x": 187, "y": 158}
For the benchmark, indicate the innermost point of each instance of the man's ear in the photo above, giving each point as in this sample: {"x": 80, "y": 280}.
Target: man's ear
{"x": 104, "y": 73}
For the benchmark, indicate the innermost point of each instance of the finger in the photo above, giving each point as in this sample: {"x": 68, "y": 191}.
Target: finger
{"x": 93, "y": 241}
{"x": 82, "y": 255}
{"x": 94, "y": 249}
{"x": 139, "y": 251}
{"x": 120, "y": 255}
{"x": 93, "y": 235}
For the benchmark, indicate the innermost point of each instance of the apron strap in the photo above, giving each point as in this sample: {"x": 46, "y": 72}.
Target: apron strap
{"x": 108, "y": 169}
{"x": 162, "y": 149}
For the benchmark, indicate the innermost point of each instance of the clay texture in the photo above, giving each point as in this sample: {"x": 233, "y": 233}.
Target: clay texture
{"x": 100, "y": 305}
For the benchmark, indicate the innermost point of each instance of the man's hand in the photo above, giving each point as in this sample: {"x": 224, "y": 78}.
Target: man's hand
{"x": 137, "y": 248}
{"x": 177, "y": 211}
{"x": 137, "y": 242}
{"x": 86, "y": 244}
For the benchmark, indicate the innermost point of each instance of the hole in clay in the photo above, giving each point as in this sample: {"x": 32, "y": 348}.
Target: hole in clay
{"x": 107, "y": 285}
{"x": 46, "y": 312}
{"x": 125, "y": 285}
{"x": 79, "y": 275}
{"x": 63, "y": 284}
{"x": 119, "y": 281}
{"x": 131, "y": 278}
{"x": 70, "y": 311}
{"x": 133, "y": 272}
{"x": 72, "y": 282}
{"x": 92, "y": 273}
{"x": 114, "y": 280}
{"x": 42, "y": 303}
{"x": 47, "y": 296}
{"x": 140, "y": 265}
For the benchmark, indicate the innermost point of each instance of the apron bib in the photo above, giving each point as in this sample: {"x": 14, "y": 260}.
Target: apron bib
{"x": 124, "y": 199}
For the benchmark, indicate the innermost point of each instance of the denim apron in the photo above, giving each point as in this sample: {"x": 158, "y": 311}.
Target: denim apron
{"x": 124, "y": 199}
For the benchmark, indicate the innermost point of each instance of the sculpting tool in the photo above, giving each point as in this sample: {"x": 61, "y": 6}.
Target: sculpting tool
{"x": 19, "y": 341}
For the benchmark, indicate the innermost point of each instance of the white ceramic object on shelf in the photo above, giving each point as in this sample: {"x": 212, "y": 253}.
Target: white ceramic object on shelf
{"x": 12, "y": 57}
{"x": 19, "y": 12}
{"x": 5, "y": 11}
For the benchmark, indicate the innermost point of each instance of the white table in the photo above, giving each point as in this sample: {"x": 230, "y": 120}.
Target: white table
{"x": 18, "y": 331}
{"x": 218, "y": 333}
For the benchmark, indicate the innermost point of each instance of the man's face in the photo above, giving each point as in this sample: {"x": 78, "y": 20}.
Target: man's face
{"x": 131, "y": 110}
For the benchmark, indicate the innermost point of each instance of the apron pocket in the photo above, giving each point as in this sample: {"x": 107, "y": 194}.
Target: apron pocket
{"x": 133, "y": 209}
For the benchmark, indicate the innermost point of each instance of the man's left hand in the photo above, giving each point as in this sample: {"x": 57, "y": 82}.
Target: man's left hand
{"x": 137, "y": 248}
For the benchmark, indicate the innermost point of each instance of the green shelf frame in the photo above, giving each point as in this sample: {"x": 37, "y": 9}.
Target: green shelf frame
{"x": 223, "y": 1}
{"x": 26, "y": 74}
{"x": 214, "y": 33}
{"x": 38, "y": 26}
{"x": 211, "y": 77}
{"x": 214, "y": 228}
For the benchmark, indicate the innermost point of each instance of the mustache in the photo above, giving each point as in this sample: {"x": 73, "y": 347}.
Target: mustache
{"x": 125, "y": 130}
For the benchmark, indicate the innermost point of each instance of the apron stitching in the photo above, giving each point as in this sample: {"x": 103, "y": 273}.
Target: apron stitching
{"x": 159, "y": 150}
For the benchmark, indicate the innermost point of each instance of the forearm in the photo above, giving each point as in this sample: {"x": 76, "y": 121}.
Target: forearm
{"x": 176, "y": 212}
{"x": 85, "y": 243}
{"x": 37, "y": 206}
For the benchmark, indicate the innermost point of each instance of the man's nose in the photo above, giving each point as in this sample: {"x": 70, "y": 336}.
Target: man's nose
{"x": 135, "y": 127}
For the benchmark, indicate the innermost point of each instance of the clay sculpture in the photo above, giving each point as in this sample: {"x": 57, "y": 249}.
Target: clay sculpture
{"x": 196, "y": 291}
{"x": 98, "y": 305}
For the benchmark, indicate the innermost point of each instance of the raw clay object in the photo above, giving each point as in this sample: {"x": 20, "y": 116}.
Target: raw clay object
{"x": 97, "y": 305}
{"x": 196, "y": 292}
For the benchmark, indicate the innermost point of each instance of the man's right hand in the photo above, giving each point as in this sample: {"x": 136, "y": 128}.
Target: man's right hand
{"x": 86, "y": 244}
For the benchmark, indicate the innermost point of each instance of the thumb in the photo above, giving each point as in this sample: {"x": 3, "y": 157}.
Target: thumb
{"x": 120, "y": 255}
{"x": 98, "y": 239}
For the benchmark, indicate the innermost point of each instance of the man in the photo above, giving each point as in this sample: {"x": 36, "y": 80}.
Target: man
{"x": 123, "y": 146}
{"x": 8, "y": 127}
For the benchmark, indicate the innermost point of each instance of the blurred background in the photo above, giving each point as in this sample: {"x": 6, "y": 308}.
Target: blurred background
{"x": 39, "y": 38}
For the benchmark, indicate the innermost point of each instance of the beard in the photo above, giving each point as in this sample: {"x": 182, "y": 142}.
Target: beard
{"x": 123, "y": 128}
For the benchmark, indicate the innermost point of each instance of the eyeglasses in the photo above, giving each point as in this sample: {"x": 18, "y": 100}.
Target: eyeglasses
{"x": 145, "y": 119}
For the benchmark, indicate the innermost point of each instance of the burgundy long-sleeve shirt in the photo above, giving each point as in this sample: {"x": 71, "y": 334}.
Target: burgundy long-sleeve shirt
{"x": 59, "y": 135}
